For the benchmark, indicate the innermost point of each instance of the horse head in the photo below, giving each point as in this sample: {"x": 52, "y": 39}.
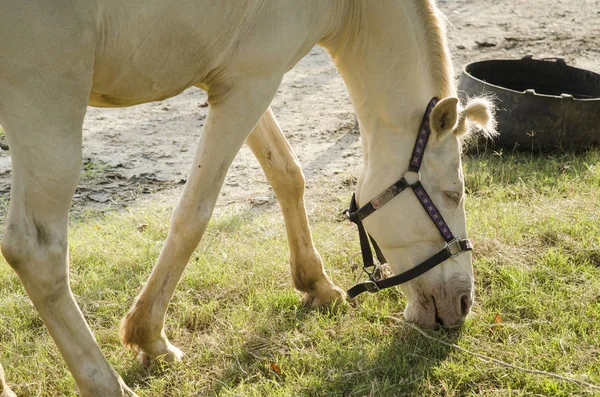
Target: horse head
{"x": 412, "y": 229}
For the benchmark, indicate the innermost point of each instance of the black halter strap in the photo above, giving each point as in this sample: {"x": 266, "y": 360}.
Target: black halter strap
{"x": 453, "y": 246}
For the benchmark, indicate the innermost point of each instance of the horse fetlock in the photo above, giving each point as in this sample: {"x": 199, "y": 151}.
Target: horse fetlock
{"x": 137, "y": 327}
{"x": 146, "y": 337}
{"x": 307, "y": 267}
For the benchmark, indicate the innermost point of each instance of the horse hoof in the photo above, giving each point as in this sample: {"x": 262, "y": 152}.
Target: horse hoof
{"x": 170, "y": 354}
{"x": 333, "y": 297}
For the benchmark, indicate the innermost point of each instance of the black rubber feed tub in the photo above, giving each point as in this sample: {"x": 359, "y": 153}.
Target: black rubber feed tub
{"x": 543, "y": 105}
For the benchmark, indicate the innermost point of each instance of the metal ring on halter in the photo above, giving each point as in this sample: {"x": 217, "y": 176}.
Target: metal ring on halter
{"x": 453, "y": 247}
{"x": 411, "y": 184}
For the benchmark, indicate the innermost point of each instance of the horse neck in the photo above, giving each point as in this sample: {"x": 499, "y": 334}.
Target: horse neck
{"x": 393, "y": 57}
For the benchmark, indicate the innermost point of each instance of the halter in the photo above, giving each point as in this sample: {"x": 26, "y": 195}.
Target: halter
{"x": 453, "y": 246}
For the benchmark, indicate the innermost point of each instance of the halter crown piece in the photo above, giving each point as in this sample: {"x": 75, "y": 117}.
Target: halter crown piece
{"x": 453, "y": 246}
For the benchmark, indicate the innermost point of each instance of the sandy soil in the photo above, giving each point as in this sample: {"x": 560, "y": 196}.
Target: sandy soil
{"x": 140, "y": 150}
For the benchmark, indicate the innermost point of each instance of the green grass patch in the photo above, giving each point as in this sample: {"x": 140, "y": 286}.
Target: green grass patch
{"x": 536, "y": 227}
{"x": 91, "y": 170}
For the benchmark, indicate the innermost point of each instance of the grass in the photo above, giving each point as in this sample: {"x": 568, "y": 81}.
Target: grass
{"x": 535, "y": 223}
{"x": 92, "y": 170}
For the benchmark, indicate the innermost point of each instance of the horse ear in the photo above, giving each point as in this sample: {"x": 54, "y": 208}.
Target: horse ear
{"x": 444, "y": 116}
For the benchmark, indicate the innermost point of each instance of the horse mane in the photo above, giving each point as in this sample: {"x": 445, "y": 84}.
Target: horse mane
{"x": 434, "y": 24}
{"x": 479, "y": 111}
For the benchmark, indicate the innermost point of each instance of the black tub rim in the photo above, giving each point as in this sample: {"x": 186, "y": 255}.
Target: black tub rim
{"x": 468, "y": 74}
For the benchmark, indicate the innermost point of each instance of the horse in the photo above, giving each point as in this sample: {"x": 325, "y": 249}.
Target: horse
{"x": 56, "y": 58}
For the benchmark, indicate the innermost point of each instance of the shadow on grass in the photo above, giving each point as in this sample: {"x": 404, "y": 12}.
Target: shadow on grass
{"x": 398, "y": 368}
{"x": 382, "y": 365}
{"x": 135, "y": 375}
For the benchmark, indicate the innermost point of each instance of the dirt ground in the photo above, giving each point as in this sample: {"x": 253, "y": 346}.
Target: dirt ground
{"x": 132, "y": 152}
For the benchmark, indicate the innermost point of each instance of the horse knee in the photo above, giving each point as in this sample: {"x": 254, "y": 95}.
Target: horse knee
{"x": 288, "y": 174}
{"x": 188, "y": 223}
{"x": 39, "y": 257}
{"x": 295, "y": 176}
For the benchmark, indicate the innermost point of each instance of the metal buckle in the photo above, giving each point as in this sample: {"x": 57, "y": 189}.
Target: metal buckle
{"x": 371, "y": 287}
{"x": 411, "y": 184}
{"x": 453, "y": 247}
{"x": 376, "y": 274}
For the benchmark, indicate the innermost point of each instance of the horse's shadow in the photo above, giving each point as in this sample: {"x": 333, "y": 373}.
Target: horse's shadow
{"x": 401, "y": 367}
{"x": 398, "y": 366}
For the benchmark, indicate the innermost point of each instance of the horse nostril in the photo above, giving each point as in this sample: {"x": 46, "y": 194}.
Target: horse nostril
{"x": 465, "y": 304}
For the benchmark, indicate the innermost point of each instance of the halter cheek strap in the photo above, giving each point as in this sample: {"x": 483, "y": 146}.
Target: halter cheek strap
{"x": 453, "y": 245}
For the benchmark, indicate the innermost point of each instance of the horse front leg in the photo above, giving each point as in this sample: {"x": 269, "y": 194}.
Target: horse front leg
{"x": 228, "y": 124}
{"x": 42, "y": 116}
{"x": 284, "y": 173}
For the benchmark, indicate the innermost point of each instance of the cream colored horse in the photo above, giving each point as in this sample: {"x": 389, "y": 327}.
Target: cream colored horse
{"x": 58, "y": 57}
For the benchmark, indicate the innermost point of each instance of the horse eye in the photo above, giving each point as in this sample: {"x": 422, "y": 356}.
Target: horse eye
{"x": 454, "y": 196}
